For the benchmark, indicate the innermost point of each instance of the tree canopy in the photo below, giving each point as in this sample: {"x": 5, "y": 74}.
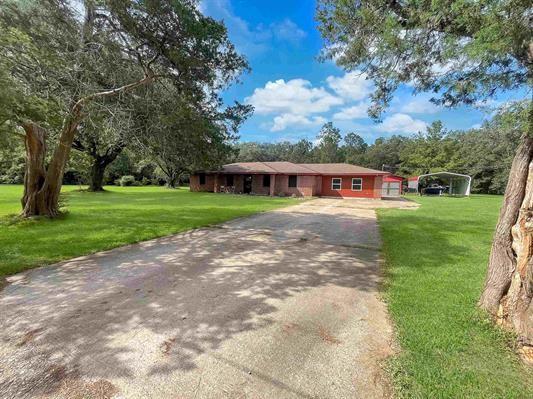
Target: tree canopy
{"x": 67, "y": 74}
{"x": 461, "y": 50}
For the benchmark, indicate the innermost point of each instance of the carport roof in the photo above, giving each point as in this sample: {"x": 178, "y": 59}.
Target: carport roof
{"x": 297, "y": 169}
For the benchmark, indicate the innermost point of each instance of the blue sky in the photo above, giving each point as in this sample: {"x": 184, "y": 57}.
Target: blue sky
{"x": 294, "y": 94}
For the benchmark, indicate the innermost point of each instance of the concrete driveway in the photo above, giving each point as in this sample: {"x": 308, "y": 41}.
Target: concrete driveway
{"x": 283, "y": 304}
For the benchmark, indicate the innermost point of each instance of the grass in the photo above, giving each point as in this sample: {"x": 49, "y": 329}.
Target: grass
{"x": 119, "y": 216}
{"x": 436, "y": 259}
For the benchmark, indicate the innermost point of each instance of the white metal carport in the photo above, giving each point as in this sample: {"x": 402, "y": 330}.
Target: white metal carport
{"x": 459, "y": 184}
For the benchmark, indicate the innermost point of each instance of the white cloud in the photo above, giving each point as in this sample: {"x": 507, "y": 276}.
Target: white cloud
{"x": 288, "y": 31}
{"x": 357, "y": 111}
{"x": 401, "y": 123}
{"x": 296, "y": 96}
{"x": 419, "y": 105}
{"x": 283, "y": 121}
{"x": 352, "y": 85}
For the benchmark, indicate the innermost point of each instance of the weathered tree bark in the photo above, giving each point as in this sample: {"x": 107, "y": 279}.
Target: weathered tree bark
{"x": 517, "y": 308}
{"x": 509, "y": 283}
{"x": 35, "y": 173}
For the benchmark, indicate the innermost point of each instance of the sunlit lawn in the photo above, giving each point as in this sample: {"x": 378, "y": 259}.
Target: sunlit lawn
{"x": 436, "y": 261}
{"x": 122, "y": 215}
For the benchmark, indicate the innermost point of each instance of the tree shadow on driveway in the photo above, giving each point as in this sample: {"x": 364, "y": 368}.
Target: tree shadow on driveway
{"x": 148, "y": 310}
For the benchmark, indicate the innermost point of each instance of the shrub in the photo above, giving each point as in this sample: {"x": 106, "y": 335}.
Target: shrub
{"x": 11, "y": 179}
{"x": 127, "y": 181}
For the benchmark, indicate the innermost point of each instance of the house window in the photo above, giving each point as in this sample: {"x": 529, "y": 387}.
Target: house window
{"x": 266, "y": 180}
{"x": 336, "y": 183}
{"x": 357, "y": 184}
{"x": 229, "y": 180}
{"x": 292, "y": 180}
{"x": 202, "y": 179}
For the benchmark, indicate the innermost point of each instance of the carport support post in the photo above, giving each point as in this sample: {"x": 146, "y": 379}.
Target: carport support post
{"x": 272, "y": 184}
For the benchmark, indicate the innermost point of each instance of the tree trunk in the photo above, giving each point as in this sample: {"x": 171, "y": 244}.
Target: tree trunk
{"x": 35, "y": 172}
{"x": 100, "y": 163}
{"x": 509, "y": 283}
{"x": 96, "y": 182}
{"x": 173, "y": 180}
{"x": 42, "y": 198}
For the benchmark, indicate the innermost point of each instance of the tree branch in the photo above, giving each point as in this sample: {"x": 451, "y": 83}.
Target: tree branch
{"x": 148, "y": 78}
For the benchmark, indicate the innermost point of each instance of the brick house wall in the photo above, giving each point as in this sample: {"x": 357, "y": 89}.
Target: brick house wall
{"x": 194, "y": 183}
{"x": 257, "y": 185}
{"x": 305, "y": 186}
{"x": 371, "y": 187}
{"x": 317, "y": 187}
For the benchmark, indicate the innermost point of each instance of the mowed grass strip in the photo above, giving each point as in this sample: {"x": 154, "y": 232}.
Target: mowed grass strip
{"x": 436, "y": 258}
{"x": 119, "y": 216}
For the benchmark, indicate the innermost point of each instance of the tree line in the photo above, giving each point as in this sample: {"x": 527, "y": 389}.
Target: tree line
{"x": 485, "y": 153}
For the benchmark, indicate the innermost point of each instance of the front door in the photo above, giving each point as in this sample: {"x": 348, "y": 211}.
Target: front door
{"x": 247, "y": 187}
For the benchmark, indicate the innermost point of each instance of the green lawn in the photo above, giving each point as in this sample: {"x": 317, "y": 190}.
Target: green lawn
{"x": 436, "y": 259}
{"x": 99, "y": 221}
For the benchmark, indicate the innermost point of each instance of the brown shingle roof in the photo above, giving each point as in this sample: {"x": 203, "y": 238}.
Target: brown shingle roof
{"x": 289, "y": 167}
{"x": 297, "y": 169}
{"x": 247, "y": 167}
{"x": 341, "y": 169}
{"x": 266, "y": 167}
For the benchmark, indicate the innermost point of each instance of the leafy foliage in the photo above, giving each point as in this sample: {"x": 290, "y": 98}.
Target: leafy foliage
{"x": 461, "y": 50}
{"x": 327, "y": 150}
{"x": 90, "y": 56}
{"x": 181, "y": 134}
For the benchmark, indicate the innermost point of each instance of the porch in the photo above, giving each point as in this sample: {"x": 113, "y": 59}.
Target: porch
{"x": 258, "y": 184}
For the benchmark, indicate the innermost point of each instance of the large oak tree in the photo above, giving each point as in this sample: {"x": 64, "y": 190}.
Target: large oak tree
{"x": 61, "y": 62}
{"x": 181, "y": 133}
{"x": 462, "y": 51}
